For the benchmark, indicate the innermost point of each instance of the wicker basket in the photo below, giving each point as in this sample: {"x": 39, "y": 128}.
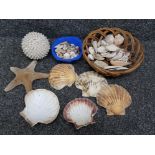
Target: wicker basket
{"x": 131, "y": 43}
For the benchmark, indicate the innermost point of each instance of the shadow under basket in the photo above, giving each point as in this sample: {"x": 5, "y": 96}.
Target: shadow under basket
{"x": 131, "y": 44}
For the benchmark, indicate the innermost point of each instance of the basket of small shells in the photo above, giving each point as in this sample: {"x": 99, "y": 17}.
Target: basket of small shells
{"x": 113, "y": 51}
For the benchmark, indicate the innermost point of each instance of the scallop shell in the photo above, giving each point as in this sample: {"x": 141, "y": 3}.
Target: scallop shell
{"x": 80, "y": 112}
{"x": 90, "y": 83}
{"x": 42, "y": 106}
{"x": 62, "y": 75}
{"x": 114, "y": 98}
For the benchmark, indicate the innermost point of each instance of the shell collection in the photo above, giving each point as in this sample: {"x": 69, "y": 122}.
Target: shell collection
{"x": 80, "y": 112}
{"x": 66, "y": 50}
{"x": 108, "y": 54}
{"x": 42, "y": 106}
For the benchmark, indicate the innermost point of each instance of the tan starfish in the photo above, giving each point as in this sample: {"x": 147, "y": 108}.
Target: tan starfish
{"x": 25, "y": 77}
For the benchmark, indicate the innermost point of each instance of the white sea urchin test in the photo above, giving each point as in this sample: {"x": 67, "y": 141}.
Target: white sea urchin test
{"x": 35, "y": 45}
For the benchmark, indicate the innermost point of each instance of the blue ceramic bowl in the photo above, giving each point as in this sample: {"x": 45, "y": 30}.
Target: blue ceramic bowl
{"x": 72, "y": 40}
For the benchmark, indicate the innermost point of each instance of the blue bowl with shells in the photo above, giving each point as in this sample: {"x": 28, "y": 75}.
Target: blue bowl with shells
{"x": 67, "y": 49}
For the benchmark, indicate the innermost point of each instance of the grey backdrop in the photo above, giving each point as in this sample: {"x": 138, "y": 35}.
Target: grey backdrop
{"x": 140, "y": 116}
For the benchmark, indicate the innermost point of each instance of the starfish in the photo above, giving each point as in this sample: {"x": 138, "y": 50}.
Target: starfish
{"x": 25, "y": 77}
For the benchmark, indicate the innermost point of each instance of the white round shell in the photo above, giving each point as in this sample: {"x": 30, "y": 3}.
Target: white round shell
{"x": 35, "y": 45}
{"x": 42, "y": 106}
{"x": 80, "y": 112}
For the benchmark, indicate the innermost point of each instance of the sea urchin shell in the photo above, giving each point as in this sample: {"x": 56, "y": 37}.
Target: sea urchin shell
{"x": 35, "y": 45}
{"x": 80, "y": 112}
{"x": 42, "y": 106}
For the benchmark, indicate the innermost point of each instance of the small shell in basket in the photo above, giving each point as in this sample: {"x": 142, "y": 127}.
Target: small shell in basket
{"x": 42, "y": 106}
{"x": 98, "y": 57}
{"x": 115, "y": 68}
{"x": 80, "y": 112}
{"x": 114, "y": 98}
{"x": 119, "y": 39}
{"x": 90, "y": 83}
{"x": 109, "y": 39}
{"x": 119, "y": 63}
{"x": 91, "y": 50}
{"x": 62, "y": 75}
{"x": 101, "y": 64}
{"x": 94, "y": 43}
{"x": 112, "y": 48}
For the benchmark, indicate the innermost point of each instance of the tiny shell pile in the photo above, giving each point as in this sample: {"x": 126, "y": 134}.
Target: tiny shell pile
{"x": 107, "y": 54}
{"x": 66, "y": 50}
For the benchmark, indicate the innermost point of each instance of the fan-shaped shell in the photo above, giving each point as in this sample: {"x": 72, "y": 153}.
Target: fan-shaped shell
{"x": 35, "y": 45}
{"x": 62, "y": 75}
{"x": 80, "y": 112}
{"x": 90, "y": 83}
{"x": 42, "y": 106}
{"x": 114, "y": 98}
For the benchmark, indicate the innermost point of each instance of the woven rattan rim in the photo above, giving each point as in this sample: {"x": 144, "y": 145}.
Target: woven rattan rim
{"x": 130, "y": 43}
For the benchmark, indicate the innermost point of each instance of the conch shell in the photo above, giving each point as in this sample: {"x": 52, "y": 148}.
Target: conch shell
{"x": 114, "y": 98}
{"x": 62, "y": 75}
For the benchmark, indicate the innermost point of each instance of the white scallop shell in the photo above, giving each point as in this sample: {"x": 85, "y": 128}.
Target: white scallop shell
{"x": 80, "y": 112}
{"x": 35, "y": 45}
{"x": 90, "y": 83}
{"x": 42, "y": 106}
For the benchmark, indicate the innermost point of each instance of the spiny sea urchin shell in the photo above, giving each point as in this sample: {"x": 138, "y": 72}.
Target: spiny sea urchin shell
{"x": 35, "y": 45}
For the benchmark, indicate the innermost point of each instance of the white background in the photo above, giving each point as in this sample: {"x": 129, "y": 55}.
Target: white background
{"x": 77, "y": 145}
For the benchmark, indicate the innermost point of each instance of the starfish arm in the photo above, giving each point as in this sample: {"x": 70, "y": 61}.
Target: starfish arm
{"x": 12, "y": 85}
{"x": 38, "y": 75}
{"x": 28, "y": 85}
{"x": 32, "y": 65}
{"x": 15, "y": 69}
